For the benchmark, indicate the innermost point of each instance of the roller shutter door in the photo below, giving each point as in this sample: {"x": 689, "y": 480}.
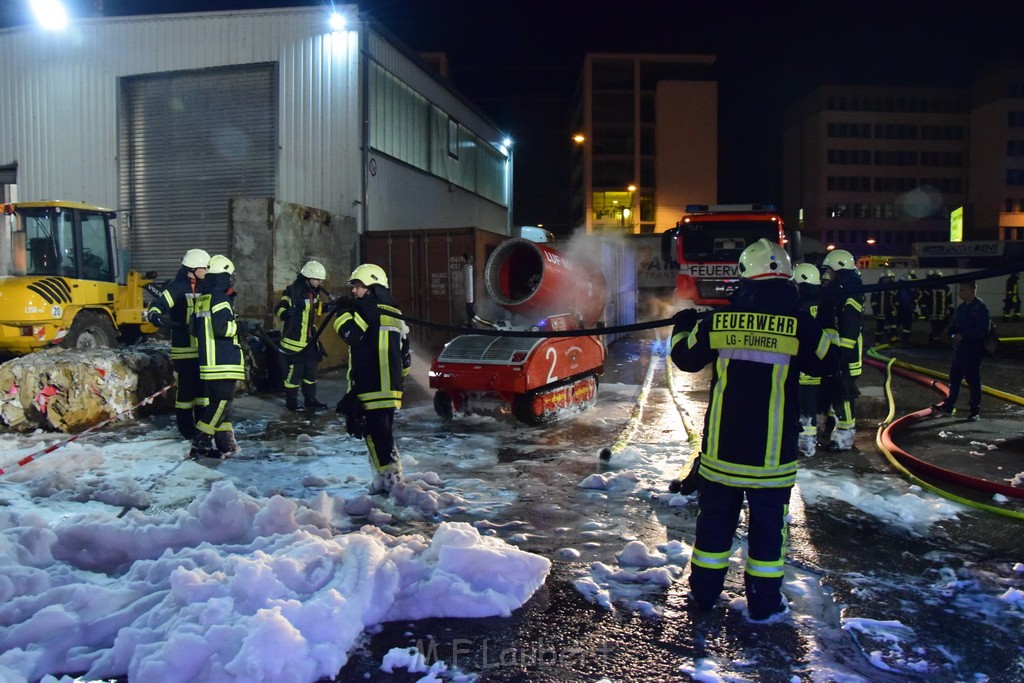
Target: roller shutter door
{"x": 190, "y": 141}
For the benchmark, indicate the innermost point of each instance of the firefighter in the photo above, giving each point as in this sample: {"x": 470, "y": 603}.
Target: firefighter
{"x": 808, "y": 284}
{"x": 298, "y": 310}
{"x": 937, "y": 305}
{"x": 379, "y": 359}
{"x": 757, "y": 347}
{"x": 841, "y": 313}
{"x": 173, "y": 309}
{"x": 1011, "y": 299}
{"x": 883, "y": 307}
{"x": 220, "y": 360}
{"x": 906, "y": 308}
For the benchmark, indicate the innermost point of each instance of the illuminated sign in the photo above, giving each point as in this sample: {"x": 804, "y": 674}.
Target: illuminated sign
{"x": 956, "y": 225}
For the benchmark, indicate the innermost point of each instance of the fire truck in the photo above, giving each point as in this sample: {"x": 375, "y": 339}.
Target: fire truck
{"x": 706, "y": 245}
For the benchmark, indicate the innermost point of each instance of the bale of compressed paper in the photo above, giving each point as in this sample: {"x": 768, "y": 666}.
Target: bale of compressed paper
{"x": 70, "y": 390}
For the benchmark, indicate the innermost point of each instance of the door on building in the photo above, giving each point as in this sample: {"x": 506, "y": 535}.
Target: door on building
{"x": 189, "y": 142}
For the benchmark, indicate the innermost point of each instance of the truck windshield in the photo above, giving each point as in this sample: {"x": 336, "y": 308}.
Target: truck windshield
{"x": 49, "y": 238}
{"x": 723, "y": 240}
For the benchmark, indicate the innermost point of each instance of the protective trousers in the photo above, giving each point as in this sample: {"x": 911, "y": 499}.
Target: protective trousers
{"x": 189, "y": 400}
{"x": 302, "y": 374}
{"x": 717, "y": 520}
{"x": 216, "y": 415}
{"x": 840, "y": 391}
{"x": 380, "y": 439}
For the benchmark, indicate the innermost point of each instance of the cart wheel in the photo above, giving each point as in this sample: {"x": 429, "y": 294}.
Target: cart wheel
{"x": 522, "y": 410}
{"x": 443, "y": 405}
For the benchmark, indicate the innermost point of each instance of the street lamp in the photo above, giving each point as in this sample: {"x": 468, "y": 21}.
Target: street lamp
{"x": 632, "y": 203}
{"x": 51, "y": 14}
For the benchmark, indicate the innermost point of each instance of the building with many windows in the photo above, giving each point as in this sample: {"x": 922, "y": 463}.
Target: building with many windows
{"x": 876, "y": 169}
{"x": 645, "y": 141}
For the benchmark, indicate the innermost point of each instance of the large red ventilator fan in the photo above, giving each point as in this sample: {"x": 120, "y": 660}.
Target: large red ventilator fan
{"x": 537, "y": 379}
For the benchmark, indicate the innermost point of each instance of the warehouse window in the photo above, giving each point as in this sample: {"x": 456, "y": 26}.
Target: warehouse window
{"x": 408, "y": 127}
{"x": 453, "y": 138}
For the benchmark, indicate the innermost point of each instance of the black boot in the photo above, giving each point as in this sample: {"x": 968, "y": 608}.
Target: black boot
{"x": 291, "y": 400}
{"x": 202, "y": 445}
{"x": 226, "y": 444}
{"x": 309, "y": 396}
{"x": 186, "y": 422}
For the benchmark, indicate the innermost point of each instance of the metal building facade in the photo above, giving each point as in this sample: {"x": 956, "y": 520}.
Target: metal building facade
{"x": 62, "y": 100}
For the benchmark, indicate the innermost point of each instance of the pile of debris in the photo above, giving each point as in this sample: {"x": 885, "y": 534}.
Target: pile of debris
{"x": 70, "y": 390}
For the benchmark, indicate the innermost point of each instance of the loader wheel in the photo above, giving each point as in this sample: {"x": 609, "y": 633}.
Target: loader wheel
{"x": 443, "y": 405}
{"x": 90, "y": 330}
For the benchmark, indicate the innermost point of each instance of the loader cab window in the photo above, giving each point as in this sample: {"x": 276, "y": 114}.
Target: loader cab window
{"x": 50, "y": 237}
{"x": 96, "y": 259}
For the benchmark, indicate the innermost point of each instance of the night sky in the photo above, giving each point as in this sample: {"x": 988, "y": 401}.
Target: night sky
{"x": 518, "y": 61}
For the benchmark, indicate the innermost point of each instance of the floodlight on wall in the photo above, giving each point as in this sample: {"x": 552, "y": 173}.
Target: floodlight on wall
{"x": 51, "y": 14}
{"x": 337, "y": 22}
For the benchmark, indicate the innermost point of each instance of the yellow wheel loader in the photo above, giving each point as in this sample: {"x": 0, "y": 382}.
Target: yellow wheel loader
{"x": 60, "y": 280}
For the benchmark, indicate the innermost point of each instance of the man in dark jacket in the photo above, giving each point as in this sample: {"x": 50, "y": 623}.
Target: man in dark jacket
{"x": 174, "y": 309}
{"x": 220, "y": 360}
{"x": 298, "y": 309}
{"x": 971, "y": 323}
{"x": 379, "y": 359}
{"x": 757, "y": 346}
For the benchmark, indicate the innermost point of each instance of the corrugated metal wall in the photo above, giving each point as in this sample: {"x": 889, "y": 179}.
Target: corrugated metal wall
{"x": 59, "y": 98}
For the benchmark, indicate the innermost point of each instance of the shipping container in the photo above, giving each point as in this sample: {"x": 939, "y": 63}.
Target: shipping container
{"x": 427, "y": 273}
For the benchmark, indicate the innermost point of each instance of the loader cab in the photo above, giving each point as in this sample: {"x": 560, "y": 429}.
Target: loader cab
{"x": 61, "y": 239}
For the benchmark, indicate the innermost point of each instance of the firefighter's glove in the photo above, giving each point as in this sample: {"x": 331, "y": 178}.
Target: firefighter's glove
{"x": 156, "y": 319}
{"x": 355, "y": 415}
{"x": 248, "y": 326}
{"x": 684, "y": 321}
{"x": 341, "y": 303}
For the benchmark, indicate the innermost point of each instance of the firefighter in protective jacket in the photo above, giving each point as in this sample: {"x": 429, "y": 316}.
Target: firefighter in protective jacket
{"x": 379, "y": 359}
{"x": 298, "y": 310}
{"x": 220, "y": 359}
{"x": 757, "y": 346}
{"x": 841, "y": 313}
{"x": 173, "y": 309}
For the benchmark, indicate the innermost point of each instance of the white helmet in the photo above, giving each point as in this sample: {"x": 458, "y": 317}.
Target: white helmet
{"x": 369, "y": 274}
{"x": 314, "y": 270}
{"x": 807, "y": 274}
{"x": 840, "y": 259}
{"x": 196, "y": 258}
{"x": 764, "y": 259}
{"x": 221, "y": 264}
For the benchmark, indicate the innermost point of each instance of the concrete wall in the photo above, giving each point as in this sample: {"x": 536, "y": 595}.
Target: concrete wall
{"x": 686, "y": 138}
{"x": 270, "y": 242}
